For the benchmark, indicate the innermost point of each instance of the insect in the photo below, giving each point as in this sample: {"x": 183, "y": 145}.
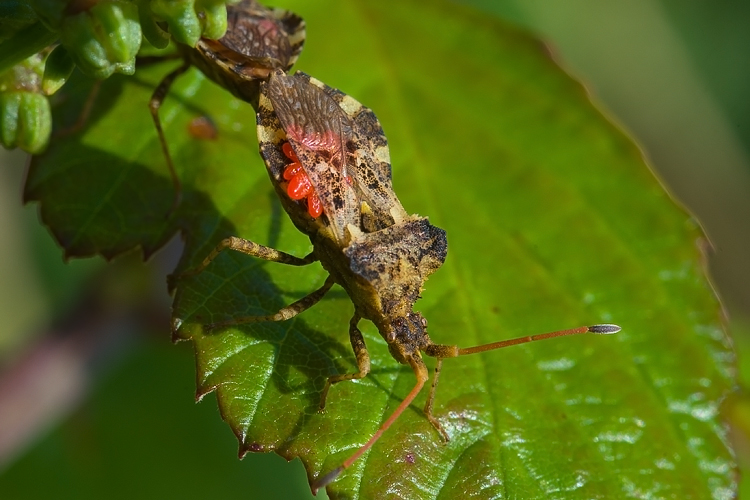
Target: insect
{"x": 362, "y": 236}
{"x": 258, "y": 41}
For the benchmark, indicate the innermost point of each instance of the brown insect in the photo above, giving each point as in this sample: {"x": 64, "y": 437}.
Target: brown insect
{"x": 258, "y": 41}
{"x": 362, "y": 236}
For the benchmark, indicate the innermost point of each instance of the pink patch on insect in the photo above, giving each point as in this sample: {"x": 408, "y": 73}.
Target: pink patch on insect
{"x": 300, "y": 187}
{"x": 266, "y": 28}
{"x": 314, "y": 141}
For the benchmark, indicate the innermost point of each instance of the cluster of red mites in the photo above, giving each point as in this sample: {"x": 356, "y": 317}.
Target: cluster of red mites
{"x": 300, "y": 186}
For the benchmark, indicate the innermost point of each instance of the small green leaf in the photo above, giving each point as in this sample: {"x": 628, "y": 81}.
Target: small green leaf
{"x": 14, "y": 17}
{"x": 57, "y": 69}
{"x": 51, "y": 12}
{"x": 553, "y": 221}
{"x": 23, "y": 44}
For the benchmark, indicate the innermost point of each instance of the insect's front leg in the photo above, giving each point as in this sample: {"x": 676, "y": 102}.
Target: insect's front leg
{"x": 360, "y": 352}
{"x": 157, "y": 98}
{"x": 431, "y": 399}
{"x": 250, "y": 248}
{"x": 439, "y": 351}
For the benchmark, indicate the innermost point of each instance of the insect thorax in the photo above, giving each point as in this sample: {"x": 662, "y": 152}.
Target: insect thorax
{"x": 384, "y": 272}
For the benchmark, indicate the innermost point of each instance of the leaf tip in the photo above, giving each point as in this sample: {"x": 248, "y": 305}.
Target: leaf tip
{"x": 253, "y": 447}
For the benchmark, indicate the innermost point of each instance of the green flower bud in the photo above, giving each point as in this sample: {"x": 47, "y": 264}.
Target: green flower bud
{"x": 152, "y": 32}
{"x": 181, "y": 17}
{"x": 25, "y": 116}
{"x": 214, "y": 17}
{"x": 104, "y": 38}
{"x": 25, "y": 120}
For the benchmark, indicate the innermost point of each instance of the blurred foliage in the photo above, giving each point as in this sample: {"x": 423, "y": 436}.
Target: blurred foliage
{"x": 140, "y": 435}
{"x": 716, "y": 37}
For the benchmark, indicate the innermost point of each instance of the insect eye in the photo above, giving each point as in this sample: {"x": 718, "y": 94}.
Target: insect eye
{"x": 391, "y": 336}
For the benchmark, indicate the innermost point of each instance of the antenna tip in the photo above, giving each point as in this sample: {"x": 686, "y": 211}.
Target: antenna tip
{"x": 604, "y": 329}
{"x": 326, "y": 480}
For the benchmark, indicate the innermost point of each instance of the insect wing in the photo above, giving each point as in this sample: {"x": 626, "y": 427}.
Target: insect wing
{"x": 369, "y": 163}
{"x": 318, "y": 130}
{"x": 259, "y": 33}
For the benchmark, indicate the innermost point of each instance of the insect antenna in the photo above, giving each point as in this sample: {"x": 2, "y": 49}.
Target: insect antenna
{"x": 604, "y": 329}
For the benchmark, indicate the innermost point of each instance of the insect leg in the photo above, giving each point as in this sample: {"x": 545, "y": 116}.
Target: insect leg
{"x": 157, "y": 98}
{"x": 250, "y": 248}
{"x": 420, "y": 370}
{"x": 283, "y": 314}
{"x": 363, "y": 360}
{"x": 431, "y": 399}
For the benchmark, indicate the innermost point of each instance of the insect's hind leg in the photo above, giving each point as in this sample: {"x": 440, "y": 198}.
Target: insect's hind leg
{"x": 284, "y": 313}
{"x": 363, "y": 360}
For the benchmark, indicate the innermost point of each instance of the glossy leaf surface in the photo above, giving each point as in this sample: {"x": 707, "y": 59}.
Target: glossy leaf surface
{"x": 553, "y": 221}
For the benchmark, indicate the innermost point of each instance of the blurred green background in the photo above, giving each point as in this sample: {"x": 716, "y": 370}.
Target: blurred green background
{"x": 674, "y": 74}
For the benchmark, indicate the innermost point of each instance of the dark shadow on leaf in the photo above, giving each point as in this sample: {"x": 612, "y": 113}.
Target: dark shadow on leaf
{"x": 96, "y": 203}
{"x": 99, "y": 203}
{"x": 69, "y": 102}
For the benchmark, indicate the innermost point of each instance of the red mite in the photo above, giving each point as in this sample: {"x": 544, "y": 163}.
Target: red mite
{"x": 300, "y": 186}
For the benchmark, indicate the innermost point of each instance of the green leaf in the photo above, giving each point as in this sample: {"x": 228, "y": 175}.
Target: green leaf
{"x": 553, "y": 221}
{"x": 57, "y": 69}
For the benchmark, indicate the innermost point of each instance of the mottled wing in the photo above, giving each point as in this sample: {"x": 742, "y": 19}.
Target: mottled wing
{"x": 258, "y": 41}
{"x": 260, "y": 34}
{"x": 369, "y": 163}
{"x": 318, "y": 130}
